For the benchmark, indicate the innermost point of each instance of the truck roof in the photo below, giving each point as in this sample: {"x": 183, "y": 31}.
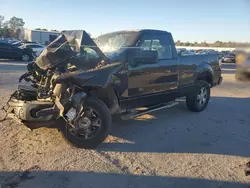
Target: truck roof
{"x": 153, "y": 30}
{"x": 138, "y": 30}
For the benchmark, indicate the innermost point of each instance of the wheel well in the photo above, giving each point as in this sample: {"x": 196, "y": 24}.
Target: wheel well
{"x": 107, "y": 95}
{"x": 206, "y": 76}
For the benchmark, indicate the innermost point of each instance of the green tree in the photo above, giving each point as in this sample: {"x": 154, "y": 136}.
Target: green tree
{"x": 5, "y": 32}
{"x": 204, "y": 44}
{"x": 187, "y": 44}
{"x": 15, "y": 24}
{"x": 178, "y": 43}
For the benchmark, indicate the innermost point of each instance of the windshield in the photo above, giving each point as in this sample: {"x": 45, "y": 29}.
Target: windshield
{"x": 114, "y": 43}
{"x": 71, "y": 44}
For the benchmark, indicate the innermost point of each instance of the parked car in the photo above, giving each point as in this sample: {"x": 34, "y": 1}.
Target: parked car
{"x": 181, "y": 50}
{"x": 187, "y": 53}
{"x": 242, "y": 72}
{"x": 212, "y": 52}
{"x": 9, "y": 51}
{"x": 201, "y": 53}
{"x": 3, "y": 41}
{"x": 229, "y": 58}
{"x": 37, "y": 48}
{"x": 20, "y": 43}
{"x": 132, "y": 69}
{"x": 17, "y": 43}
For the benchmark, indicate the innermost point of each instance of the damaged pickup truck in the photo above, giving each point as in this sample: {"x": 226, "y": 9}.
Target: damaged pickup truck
{"x": 86, "y": 82}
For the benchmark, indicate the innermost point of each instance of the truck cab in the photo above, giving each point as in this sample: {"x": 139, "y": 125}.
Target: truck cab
{"x": 154, "y": 72}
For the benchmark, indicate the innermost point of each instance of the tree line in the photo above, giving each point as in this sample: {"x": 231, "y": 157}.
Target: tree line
{"x": 12, "y": 27}
{"x": 215, "y": 44}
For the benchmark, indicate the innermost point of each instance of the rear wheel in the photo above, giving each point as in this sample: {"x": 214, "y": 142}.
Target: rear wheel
{"x": 93, "y": 125}
{"x": 198, "y": 100}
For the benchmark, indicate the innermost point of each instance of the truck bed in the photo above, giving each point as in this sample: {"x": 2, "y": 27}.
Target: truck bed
{"x": 190, "y": 65}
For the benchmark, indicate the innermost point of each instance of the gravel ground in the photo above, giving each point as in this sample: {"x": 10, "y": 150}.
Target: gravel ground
{"x": 168, "y": 148}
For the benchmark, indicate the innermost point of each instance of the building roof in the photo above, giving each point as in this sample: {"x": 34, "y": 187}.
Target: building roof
{"x": 58, "y": 32}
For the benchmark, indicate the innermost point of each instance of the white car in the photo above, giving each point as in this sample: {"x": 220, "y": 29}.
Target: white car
{"x": 37, "y": 48}
{"x": 187, "y": 53}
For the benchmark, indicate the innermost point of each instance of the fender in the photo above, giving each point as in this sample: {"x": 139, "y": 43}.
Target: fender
{"x": 100, "y": 77}
{"x": 94, "y": 78}
{"x": 203, "y": 68}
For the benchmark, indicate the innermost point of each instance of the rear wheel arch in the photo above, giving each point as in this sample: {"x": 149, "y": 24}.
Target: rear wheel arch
{"x": 205, "y": 76}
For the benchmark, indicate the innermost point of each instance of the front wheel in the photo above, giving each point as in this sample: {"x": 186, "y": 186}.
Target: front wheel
{"x": 25, "y": 57}
{"x": 199, "y": 98}
{"x": 93, "y": 125}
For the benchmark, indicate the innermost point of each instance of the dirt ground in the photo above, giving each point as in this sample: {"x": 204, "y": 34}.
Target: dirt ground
{"x": 168, "y": 148}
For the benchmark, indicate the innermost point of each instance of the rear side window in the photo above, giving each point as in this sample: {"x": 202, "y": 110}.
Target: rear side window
{"x": 157, "y": 42}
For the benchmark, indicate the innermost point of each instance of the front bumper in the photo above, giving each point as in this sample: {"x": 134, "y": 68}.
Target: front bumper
{"x": 27, "y": 110}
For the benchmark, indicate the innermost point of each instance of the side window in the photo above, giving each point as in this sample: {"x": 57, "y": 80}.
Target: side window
{"x": 145, "y": 45}
{"x": 158, "y": 43}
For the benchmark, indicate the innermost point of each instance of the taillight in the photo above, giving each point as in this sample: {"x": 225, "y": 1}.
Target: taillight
{"x": 220, "y": 63}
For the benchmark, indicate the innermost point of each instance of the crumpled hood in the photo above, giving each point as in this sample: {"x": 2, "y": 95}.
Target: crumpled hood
{"x": 95, "y": 77}
{"x": 66, "y": 46}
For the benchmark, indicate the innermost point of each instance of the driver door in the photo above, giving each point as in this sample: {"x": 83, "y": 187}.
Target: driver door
{"x": 8, "y": 51}
{"x": 155, "y": 77}
{"x": 139, "y": 75}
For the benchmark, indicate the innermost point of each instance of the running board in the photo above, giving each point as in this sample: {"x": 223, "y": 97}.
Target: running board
{"x": 149, "y": 110}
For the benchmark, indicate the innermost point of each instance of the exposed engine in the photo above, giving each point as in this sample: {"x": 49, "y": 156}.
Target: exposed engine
{"x": 38, "y": 84}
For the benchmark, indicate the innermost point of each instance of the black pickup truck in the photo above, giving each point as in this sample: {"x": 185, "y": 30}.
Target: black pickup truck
{"x": 86, "y": 82}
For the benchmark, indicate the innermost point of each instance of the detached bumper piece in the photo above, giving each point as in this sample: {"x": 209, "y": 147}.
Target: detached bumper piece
{"x": 32, "y": 110}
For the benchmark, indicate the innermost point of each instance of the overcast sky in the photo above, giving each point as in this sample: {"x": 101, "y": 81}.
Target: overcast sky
{"x": 187, "y": 20}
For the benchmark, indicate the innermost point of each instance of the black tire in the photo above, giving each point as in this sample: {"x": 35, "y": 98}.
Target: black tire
{"x": 105, "y": 116}
{"x": 192, "y": 101}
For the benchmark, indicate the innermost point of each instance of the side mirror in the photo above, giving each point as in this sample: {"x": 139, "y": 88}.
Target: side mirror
{"x": 146, "y": 57}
